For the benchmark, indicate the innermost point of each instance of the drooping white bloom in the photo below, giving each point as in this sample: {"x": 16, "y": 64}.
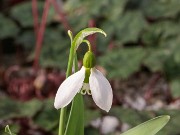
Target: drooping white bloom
{"x": 98, "y": 86}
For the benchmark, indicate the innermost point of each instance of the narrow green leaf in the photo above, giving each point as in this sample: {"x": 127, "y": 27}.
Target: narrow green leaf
{"x": 75, "y": 125}
{"x": 7, "y": 130}
{"x": 84, "y": 33}
{"x": 150, "y": 127}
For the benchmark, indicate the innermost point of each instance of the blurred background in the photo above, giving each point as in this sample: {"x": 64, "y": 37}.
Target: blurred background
{"x": 140, "y": 56}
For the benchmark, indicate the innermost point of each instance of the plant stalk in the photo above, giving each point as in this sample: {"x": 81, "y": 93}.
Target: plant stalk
{"x": 68, "y": 73}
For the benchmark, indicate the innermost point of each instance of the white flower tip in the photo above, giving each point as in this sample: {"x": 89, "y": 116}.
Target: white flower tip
{"x": 56, "y": 105}
{"x": 107, "y": 108}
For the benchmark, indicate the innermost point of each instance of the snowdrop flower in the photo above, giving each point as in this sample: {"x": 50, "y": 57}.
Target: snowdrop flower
{"x": 88, "y": 80}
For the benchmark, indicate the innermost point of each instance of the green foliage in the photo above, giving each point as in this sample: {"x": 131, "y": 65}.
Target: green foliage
{"x": 43, "y": 113}
{"x": 91, "y": 131}
{"x": 48, "y": 116}
{"x": 11, "y": 108}
{"x": 150, "y": 127}
{"x": 55, "y": 51}
{"x": 27, "y": 39}
{"x": 90, "y": 115}
{"x": 123, "y": 62}
{"x": 130, "y": 26}
{"x": 76, "y": 116}
{"x": 7, "y": 130}
{"x": 156, "y": 59}
{"x": 162, "y": 8}
{"x": 155, "y": 45}
{"x": 147, "y": 30}
{"x": 6, "y": 27}
{"x": 175, "y": 87}
{"x": 144, "y": 32}
{"x": 23, "y": 13}
{"x": 172, "y": 128}
{"x": 130, "y": 116}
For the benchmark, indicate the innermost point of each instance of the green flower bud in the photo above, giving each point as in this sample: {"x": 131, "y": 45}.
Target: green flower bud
{"x": 89, "y": 60}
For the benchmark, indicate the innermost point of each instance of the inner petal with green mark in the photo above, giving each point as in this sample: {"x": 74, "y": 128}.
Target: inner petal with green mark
{"x": 85, "y": 89}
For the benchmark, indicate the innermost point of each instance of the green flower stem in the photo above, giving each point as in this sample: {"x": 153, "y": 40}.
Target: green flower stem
{"x": 75, "y": 63}
{"x": 62, "y": 120}
{"x": 89, "y": 45}
{"x": 63, "y": 110}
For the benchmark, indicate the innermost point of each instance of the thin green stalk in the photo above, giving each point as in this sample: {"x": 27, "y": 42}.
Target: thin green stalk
{"x": 75, "y": 63}
{"x": 62, "y": 120}
{"x": 63, "y": 110}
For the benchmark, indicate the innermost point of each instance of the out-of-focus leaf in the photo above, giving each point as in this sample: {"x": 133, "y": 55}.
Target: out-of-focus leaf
{"x": 114, "y": 13}
{"x": 161, "y": 8}
{"x": 55, "y": 48}
{"x": 122, "y": 62}
{"x": 160, "y": 31}
{"x": 91, "y": 131}
{"x": 30, "y": 108}
{"x": 7, "y": 27}
{"x": 82, "y": 12}
{"x": 150, "y": 127}
{"x": 175, "y": 87}
{"x": 27, "y": 40}
{"x": 177, "y": 57}
{"x": 130, "y": 116}
{"x": 11, "y": 108}
{"x": 48, "y": 117}
{"x": 23, "y": 13}
{"x": 129, "y": 26}
{"x": 156, "y": 58}
{"x": 172, "y": 128}
{"x": 91, "y": 115}
{"x": 172, "y": 64}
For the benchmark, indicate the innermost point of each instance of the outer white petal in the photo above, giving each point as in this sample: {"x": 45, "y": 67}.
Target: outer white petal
{"x": 69, "y": 88}
{"x": 101, "y": 90}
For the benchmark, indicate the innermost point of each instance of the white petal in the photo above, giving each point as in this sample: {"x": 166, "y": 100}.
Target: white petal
{"x": 69, "y": 88}
{"x": 101, "y": 90}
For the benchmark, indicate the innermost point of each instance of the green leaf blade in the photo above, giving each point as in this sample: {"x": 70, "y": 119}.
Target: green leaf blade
{"x": 7, "y": 130}
{"x": 75, "y": 124}
{"x": 84, "y": 33}
{"x": 150, "y": 127}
